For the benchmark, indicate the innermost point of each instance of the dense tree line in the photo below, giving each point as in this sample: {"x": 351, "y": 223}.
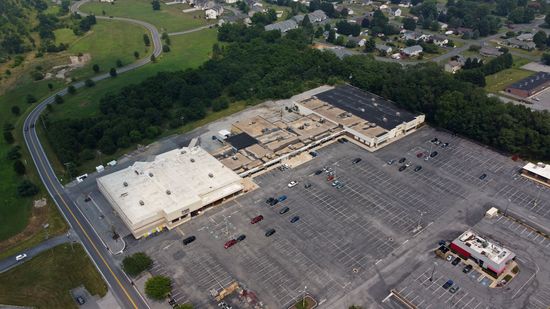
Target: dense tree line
{"x": 255, "y": 65}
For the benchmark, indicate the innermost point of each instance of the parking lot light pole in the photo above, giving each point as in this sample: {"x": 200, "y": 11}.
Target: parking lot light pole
{"x": 433, "y": 270}
{"x": 420, "y": 219}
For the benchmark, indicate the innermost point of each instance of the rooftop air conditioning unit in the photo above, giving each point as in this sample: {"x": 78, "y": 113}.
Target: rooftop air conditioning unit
{"x": 362, "y": 109}
{"x": 210, "y": 175}
{"x": 234, "y": 157}
{"x": 125, "y": 184}
{"x": 192, "y": 160}
{"x": 168, "y": 192}
{"x": 150, "y": 174}
{"x": 141, "y": 203}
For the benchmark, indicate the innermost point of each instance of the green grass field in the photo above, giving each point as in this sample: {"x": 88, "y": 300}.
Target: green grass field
{"x": 45, "y": 280}
{"x": 108, "y": 41}
{"x": 170, "y": 18}
{"x": 497, "y": 82}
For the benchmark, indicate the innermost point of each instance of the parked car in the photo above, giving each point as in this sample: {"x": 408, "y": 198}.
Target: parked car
{"x": 435, "y": 139}
{"x": 307, "y": 185}
{"x": 189, "y": 240}
{"x": 335, "y": 183}
{"x": 330, "y": 177}
{"x": 318, "y": 172}
{"x": 342, "y": 140}
{"x": 402, "y": 160}
{"x": 20, "y": 257}
{"x": 456, "y": 261}
{"x": 292, "y": 184}
{"x": 340, "y": 185}
{"x": 408, "y": 164}
{"x": 241, "y": 237}
{"x": 281, "y": 198}
{"x": 402, "y": 168}
{"x": 87, "y": 199}
{"x": 390, "y": 162}
{"x": 80, "y": 300}
{"x": 269, "y": 232}
{"x": 230, "y": 243}
{"x": 433, "y": 154}
{"x": 356, "y": 160}
{"x": 483, "y": 176}
{"x": 294, "y": 219}
{"x": 417, "y": 168}
{"x": 274, "y": 202}
{"x": 269, "y": 200}
{"x": 419, "y": 155}
{"x": 444, "y": 145}
{"x": 256, "y": 219}
{"x": 449, "y": 258}
{"x": 313, "y": 153}
{"x": 447, "y": 284}
{"x": 454, "y": 289}
{"x": 284, "y": 210}
{"x": 467, "y": 269}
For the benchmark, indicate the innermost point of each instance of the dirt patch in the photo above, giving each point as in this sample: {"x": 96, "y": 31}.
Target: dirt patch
{"x": 40, "y": 203}
{"x": 62, "y": 71}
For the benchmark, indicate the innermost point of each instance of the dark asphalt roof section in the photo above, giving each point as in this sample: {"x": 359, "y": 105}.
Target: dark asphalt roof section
{"x": 531, "y": 82}
{"x": 241, "y": 141}
{"x": 367, "y": 106}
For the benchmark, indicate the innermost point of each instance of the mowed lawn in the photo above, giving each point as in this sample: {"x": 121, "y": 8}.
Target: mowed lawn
{"x": 169, "y": 18}
{"x": 186, "y": 51}
{"x": 45, "y": 280}
{"x": 107, "y": 42}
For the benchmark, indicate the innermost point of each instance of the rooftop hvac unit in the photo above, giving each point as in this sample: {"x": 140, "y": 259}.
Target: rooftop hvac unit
{"x": 183, "y": 152}
{"x": 168, "y": 192}
{"x": 192, "y": 160}
{"x": 210, "y": 175}
{"x": 125, "y": 184}
{"x": 541, "y": 165}
{"x": 135, "y": 171}
{"x": 397, "y": 114}
{"x": 141, "y": 203}
{"x": 234, "y": 157}
{"x": 372, "y": 99}
{"x": 372, "y": 124}
{"x": 150, "y": 174}
{"x": 385, "y": 119}
{"x": 362, "y": 109}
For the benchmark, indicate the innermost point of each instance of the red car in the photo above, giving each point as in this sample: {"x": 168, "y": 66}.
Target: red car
{"x": 329, "y": 178}
{"x": 256, "y": 219}
{"x": 419, "y": 155}
{"x": 230, "y": 243}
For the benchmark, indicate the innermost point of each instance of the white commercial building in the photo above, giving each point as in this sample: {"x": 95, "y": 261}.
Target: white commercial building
{"x": 169, "y": 190}
{"x": 539, "y": 172}
{"x": 364, "y": 116}
{"x": 487, "y": 254}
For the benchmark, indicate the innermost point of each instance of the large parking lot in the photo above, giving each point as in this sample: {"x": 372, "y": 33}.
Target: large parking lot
{"x": 373, "y": 234}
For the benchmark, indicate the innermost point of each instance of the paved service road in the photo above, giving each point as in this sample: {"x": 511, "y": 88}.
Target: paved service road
{"x": 7, "y": 263}
{"x": 120, "y": 285}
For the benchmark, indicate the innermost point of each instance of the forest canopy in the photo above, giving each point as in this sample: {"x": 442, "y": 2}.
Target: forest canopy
{"x": 257, "y": 65}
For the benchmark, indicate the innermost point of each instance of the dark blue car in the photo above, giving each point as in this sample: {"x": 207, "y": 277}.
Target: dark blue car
{"x": 281, "y": 198}
{"x": 294, "y": 219}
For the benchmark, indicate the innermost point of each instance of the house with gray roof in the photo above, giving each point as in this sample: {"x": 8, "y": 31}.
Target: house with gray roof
{"x": 489, "y": 51}
{"x": 513, "y": 42}
{"x": 412, "y": 51}
{"x": 282, "y": 26}
{"x": 316, "y": 16}
{"x": 384, "y": 48}
{"x": 525, "y": 37}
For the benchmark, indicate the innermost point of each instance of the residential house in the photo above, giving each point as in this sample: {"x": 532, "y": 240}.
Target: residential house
{"x": 453, "y": 66}
{"x": 341, "y": 52}
{"x": 203, "y": 4}
{"x": 525, "y": 37}
{"x": 440, "y": 40}
{"x": 513, "y": 42}
{"x": 214, "y": 12}
{"x": 282, "y": 26}
{"x": 405, "y": 4}
{"x": 108, "y": 1}
{"x": 383, "y": 7}
{"x": 489, "y": 51}
{"x": 359, "y": 41}
{"x": 255, "y": 9}
{"x": 425, "y": 37}
{"x": 316, "y": 16}
{"x": 412, "y": 51}
{"x": 230, "y": 1}
{"x": 384, "y": 48}
{"x": 395, "y": 12}
{"x": 409, "y": 35}
{"x": 443, "y": 26}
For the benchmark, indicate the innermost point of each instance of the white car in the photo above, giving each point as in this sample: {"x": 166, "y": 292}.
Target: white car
{"x": 292, "y": 184}
{"x": 20, "y": 257}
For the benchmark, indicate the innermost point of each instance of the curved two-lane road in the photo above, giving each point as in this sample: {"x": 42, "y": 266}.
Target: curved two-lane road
{"x": 120, "y": 285}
